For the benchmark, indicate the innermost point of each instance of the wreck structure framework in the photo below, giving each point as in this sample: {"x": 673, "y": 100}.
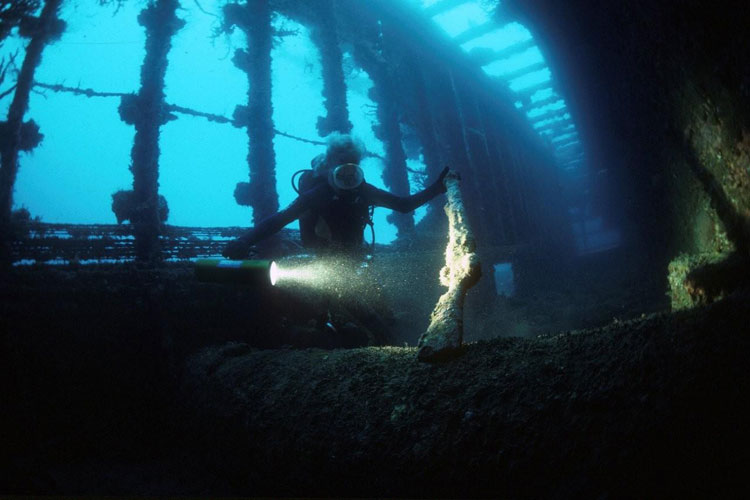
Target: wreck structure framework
{"x": 422, "y": 82}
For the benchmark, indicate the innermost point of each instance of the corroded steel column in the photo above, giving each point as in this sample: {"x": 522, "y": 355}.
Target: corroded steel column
{"x": 388, "y": 130}
{"x": 325, "y": 37}
{"x": 254, "y": 19}
{"x": 47, "y": 28}
{"x": 425, "y": 121}
{"x": 147, "y": 112}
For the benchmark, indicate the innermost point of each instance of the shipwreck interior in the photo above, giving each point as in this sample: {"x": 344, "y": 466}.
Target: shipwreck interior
{"x": 603, "y": 160}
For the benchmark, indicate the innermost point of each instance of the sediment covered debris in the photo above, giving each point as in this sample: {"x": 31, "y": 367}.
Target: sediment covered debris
{"x": 129, "y": 380}
{"x": 651, "y": 406}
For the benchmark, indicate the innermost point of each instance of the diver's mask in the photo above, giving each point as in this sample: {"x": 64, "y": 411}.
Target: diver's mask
{"x": 346, "y": 177}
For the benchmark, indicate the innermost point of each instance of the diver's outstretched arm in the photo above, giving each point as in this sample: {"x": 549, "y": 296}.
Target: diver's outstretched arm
{"x": 380, "y": 198}
{"x": 239, "y": 248}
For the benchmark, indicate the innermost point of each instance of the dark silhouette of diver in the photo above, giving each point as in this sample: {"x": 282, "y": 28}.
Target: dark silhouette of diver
{"x": 334, "y": 204}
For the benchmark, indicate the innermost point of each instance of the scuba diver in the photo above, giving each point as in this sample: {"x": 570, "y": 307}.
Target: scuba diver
{"x": 333, "y": 207}
{"x": 334, "y": 204}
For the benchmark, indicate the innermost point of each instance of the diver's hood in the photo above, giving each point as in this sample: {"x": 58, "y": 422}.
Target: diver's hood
{"x": 346, "y": 177}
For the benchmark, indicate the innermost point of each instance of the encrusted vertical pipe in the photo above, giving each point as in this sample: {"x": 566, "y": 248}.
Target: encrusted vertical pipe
{"x": 462, "y": 270}
{"x": 388, "y": 130}
{"x": 146, "y": 111}
{"x": 254, "y": 19}
{"x": 324, "y": 36}
{"x": 41, "y": 31}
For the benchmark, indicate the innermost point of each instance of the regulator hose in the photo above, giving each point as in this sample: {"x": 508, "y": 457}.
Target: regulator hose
{"x": 294, "y": 178}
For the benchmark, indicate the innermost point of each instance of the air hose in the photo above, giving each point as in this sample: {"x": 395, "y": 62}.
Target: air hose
{"x": 294, "y": 178}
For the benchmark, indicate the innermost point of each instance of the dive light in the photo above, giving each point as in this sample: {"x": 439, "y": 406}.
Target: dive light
{"x": 249, "y": 272}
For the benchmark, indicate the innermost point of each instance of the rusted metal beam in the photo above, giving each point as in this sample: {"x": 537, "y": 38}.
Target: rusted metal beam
{"x": 545, "y": 102}
{"x": 557, "y": 128}
{"x": 565, "y": 136}
{"x": 549, "y": 116}
{"x": 559, "y": 145}
{"x": 524, "y": 71}
{"x": 510, "y": 51}
{"x": 476, "y": 32}
{"x": 525, "y": 94}
{"x": 442, "y": 6}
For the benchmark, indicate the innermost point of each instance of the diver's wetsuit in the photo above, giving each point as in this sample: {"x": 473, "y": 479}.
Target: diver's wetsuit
{"x": 328, "y": 218}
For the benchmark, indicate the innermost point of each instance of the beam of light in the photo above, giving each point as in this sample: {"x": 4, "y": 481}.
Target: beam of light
{"x": 310, "y": 274}
{"x": 306, "y": 272}
{"x": 329, "y": 275}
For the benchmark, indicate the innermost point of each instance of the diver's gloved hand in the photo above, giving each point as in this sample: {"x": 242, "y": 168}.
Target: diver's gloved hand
{"x": 445, "y": 173}
{"x": 441, "y": 178}
{"x": 236, "y": 249}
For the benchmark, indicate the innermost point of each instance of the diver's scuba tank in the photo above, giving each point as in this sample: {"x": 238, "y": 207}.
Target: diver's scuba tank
{"x": 249, "y": 272}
